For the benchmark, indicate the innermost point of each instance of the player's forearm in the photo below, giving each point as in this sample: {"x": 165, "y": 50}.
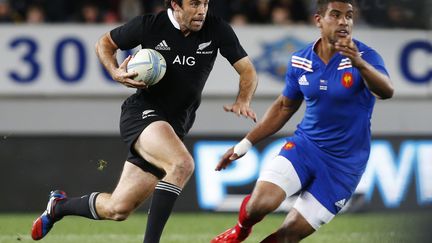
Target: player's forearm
{"x": 106, "y": 53}
{"x": 274, "y": 119}
{"x": 247, "y": 86}
{"x": 248, "y": 80}
{"x": 378, "y": 83}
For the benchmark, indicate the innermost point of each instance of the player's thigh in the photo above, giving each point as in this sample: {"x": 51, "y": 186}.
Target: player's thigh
{"x": 134, "y": 186}
{"x": 278, "y": 179}
{"x": 281, "y": 172}
{"x": 265, "y": 198}
{"x": 159, "y": 144}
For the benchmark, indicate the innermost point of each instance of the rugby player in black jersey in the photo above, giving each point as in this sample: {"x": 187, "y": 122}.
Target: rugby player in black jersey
{"x": 155, "y": 119}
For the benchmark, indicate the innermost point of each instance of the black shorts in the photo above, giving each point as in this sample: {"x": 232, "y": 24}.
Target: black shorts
{"x": 137, "y": 113}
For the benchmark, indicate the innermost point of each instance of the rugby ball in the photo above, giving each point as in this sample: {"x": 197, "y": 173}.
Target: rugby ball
{"x": 149, "y": 64}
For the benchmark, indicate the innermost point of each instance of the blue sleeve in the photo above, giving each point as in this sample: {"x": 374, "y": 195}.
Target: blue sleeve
{"x": 374, "y": 59}
{"x": 292, "y": 87}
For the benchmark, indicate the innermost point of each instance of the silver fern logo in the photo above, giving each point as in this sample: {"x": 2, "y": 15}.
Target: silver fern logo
{"x": 204, "y": 45}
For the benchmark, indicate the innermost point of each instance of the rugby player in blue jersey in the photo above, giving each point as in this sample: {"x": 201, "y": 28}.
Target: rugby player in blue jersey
{"x": 338, "y": 78}
{"x": 155, "y": 119}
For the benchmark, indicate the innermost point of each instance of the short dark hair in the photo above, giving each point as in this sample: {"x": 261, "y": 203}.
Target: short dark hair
{"x": 321, "y": 5}
{"x": 168, "y": 3}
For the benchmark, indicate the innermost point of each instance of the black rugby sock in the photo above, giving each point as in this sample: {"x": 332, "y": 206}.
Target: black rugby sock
{"x": 81, "y": 206}
{"x": 161, "y": 206}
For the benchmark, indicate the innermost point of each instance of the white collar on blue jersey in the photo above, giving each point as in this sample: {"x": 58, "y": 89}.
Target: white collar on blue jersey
{"x": 173, "y": 20}
{"x": 314, "y": 44}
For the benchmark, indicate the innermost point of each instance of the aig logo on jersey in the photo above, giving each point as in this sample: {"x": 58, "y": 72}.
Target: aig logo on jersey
{"x": 184, "y": 60}
{"x": 347, "y": 80}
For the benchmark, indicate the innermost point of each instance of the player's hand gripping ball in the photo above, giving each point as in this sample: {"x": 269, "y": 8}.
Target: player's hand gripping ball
{"x": 150, "y": 66}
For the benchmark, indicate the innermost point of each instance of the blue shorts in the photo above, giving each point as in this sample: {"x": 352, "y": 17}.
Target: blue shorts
{"x": 331, "y": 187}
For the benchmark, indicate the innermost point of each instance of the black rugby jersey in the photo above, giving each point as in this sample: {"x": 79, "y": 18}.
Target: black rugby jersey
{"x": 189, "y": 60}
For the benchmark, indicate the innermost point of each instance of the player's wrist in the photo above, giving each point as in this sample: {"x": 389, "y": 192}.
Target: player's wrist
{"x": 361, "y": 64}
{"x": 242, "y": 147}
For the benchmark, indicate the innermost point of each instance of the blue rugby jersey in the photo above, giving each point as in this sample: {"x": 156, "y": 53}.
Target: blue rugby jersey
{"x": 336, "y": 124}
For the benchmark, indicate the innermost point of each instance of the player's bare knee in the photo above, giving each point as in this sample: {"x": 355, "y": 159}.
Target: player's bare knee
{"x": 121, "y": 212}
{"x": 183, "y": 168}
{"x": 258, "y": 207}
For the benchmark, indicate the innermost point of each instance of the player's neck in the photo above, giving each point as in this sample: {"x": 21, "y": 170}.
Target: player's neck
{"x": 325, "y": 50}
{"x": 185, "y": 31}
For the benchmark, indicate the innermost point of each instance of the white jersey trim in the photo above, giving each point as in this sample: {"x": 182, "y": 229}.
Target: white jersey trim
{"x": 303, "y": 63}
{"x": 172, "y": 19}
{"x": 345, "y": 63}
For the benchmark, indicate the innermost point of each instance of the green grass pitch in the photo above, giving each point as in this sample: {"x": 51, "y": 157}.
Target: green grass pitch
{"x": 201, "y": 227}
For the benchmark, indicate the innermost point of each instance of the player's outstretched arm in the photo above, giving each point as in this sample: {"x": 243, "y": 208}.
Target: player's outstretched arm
{"x": 247, "y": 87}
{"x": 106, "y": 51}
{"x": 274, "y": 119}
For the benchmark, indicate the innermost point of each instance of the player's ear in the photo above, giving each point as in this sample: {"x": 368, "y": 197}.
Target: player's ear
{"x": 175, "y": 6}
{"x": 317, "y": 19}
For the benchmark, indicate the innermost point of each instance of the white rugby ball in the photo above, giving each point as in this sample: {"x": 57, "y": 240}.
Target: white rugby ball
{"x": 149, "y": 64}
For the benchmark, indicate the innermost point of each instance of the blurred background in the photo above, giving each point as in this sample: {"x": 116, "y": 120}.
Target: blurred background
{"x": 373, "y": 13}
{"x": 59, "y": 110}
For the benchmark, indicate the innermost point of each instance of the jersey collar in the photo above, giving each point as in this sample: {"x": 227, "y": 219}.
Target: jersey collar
{"x": 314, "y": 44}
{"x": 172, "y": 19}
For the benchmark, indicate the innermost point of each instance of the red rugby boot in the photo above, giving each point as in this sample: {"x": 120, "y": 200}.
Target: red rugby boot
{"x": 43, "y": 224}
{"x": 234, "y": 235}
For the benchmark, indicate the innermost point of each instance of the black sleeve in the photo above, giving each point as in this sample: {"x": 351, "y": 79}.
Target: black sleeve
{"x": 129, "y": 35}
{"x": 230, "y": 46}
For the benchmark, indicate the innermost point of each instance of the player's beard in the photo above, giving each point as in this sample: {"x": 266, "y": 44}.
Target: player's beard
{"x": 195, "y": 26}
